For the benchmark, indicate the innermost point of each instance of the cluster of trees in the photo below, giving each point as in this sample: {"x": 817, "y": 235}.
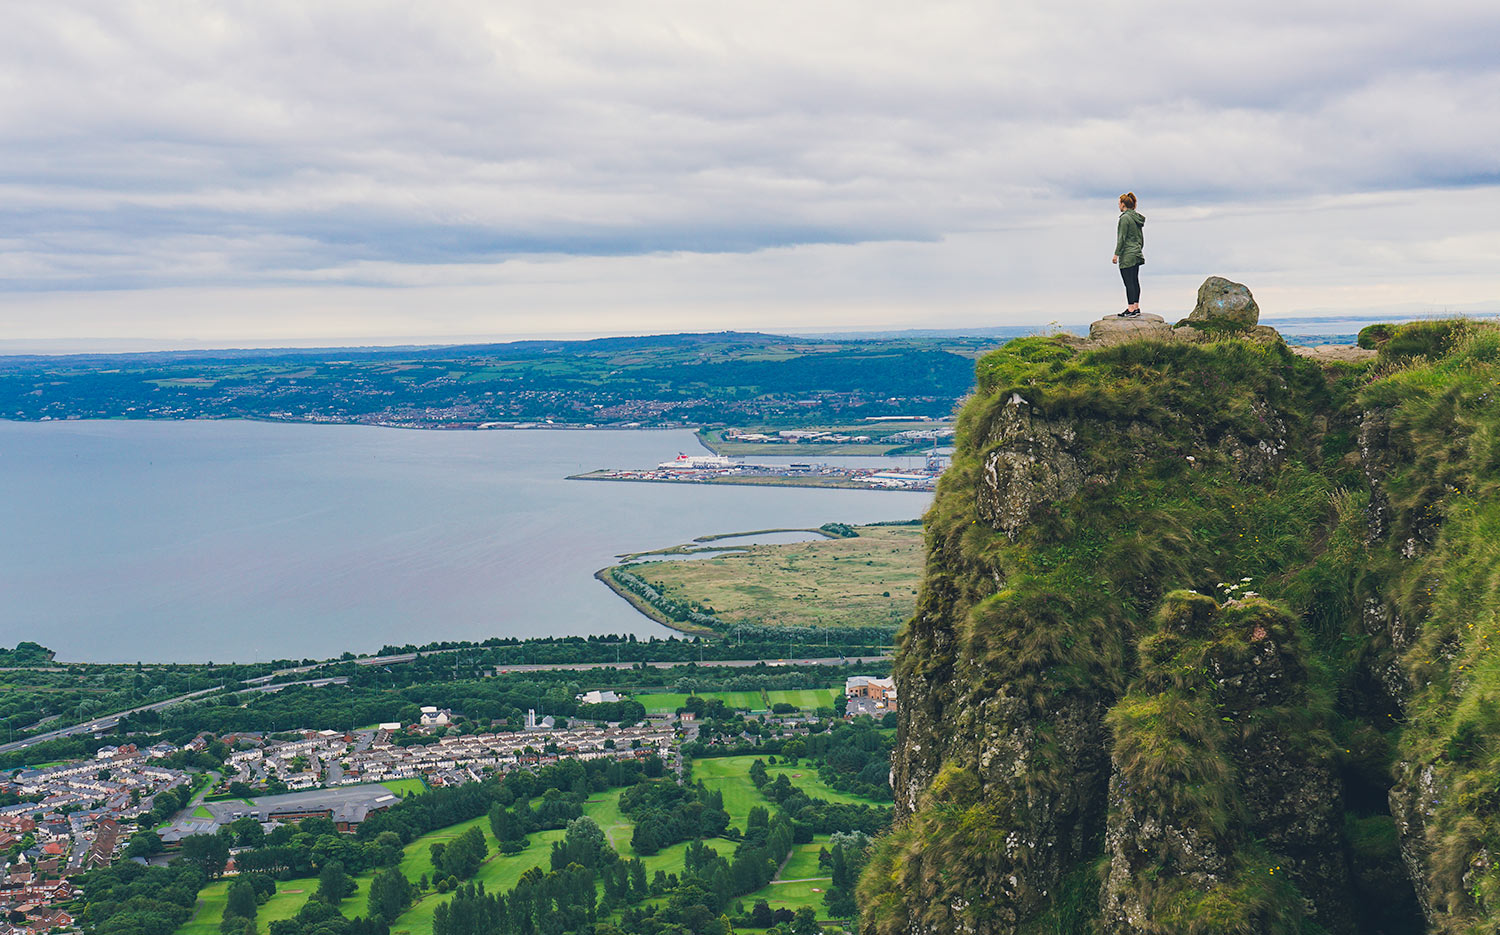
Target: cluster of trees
{"x": 26, "y": 653}
{"x": 243, "y": 900}
{"x": 856, "y": 757}
{"x": 510, "y": 651}
{"x": 584, "y": 844}
{"x": 844, "y": 859}
{"x": 126, "y": 898}
{"x": 802, "y": 922}
{"x": 459, "y": 859}
{"x": 167, "y": 803}
{"x": 818, "y": 816}
{"x": 666, "y": 813}
{"x": 317, "y": 917}
{"x": 512, "y": 824}
{"x": 562, "y": 901}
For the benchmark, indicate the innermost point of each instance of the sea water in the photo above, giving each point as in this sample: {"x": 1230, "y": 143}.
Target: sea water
{"x": 243, "y": 541}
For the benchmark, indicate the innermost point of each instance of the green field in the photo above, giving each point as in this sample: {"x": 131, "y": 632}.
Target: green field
{"x": 803, "y": 864}
{"x": 808, "y": 699}
{"x": 868, "y": 580}
{"x": 667, "y": 702}
{"x": 406, "y": 787}
{"x": 290, "y": 895}
{"x": 499, "y": 873}
{"x": 731, "y": 776}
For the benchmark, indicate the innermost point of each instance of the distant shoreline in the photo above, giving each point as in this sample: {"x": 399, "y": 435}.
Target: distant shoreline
{"x": 741, "y": 481}
{"x": 640, "y": 604}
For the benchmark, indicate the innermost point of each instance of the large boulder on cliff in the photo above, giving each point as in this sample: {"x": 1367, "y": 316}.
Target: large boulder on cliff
{"x": 1220, "y": 300}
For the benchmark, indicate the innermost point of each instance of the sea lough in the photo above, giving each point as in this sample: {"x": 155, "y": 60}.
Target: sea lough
{"x": 241, "y": 541}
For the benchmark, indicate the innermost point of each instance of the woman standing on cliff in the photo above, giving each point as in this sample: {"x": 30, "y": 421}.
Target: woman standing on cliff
{"x": 1130, "y": 241}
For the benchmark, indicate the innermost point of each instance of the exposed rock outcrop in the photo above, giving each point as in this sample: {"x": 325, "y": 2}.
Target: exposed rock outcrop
{"x": 1324, "y": 756}
{"x": 1218, "y": 783}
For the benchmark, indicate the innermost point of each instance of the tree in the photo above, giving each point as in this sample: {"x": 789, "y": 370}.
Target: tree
{"x": 760, "y": 915}
{"x": 806, "y": 922}
{"x": 586, "y": 844}
{"x": 248, "y": 831}
{"x": 333, "y": 883}
{"x": 758, "y": 773}
{"x": 240, "y": 900}
{"x": 209, "y": 851}
{"x": 390, "y": 893}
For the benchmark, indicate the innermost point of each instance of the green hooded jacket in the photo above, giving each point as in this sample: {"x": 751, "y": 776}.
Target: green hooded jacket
{"x": 1130, "y": 239}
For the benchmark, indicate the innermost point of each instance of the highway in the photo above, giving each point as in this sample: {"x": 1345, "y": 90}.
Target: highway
{"x": 263, "y": 683}
{"x": 108, "y": 721}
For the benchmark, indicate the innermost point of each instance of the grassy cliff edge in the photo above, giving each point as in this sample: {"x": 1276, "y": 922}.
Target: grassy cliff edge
{"x": 1091, "y": 485}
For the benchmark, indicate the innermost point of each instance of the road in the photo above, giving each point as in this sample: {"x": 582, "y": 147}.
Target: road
{"x": 727, "y": 663}
{"x": 573, "y": 666}
{"x": 107, "y": 722}
{"x": 263, "y": 683}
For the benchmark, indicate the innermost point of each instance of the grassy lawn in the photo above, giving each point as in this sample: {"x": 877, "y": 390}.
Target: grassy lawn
{"x": 406, "y": 787}
{"x": 604, "y": 808}
{"x": 867, "y": 580}
{"x": 806, "y": 779}
{"x": 667, "y": 702}
{"x": 808, "y": 699}
{"x": 731, "y": 776}
{"x": 289, "y": 898}
{"x": 803, "y": 864}
{"x": 792, "y": 896}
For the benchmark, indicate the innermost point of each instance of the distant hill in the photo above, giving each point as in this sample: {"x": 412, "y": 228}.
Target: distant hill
{"x": 648, "y": 380}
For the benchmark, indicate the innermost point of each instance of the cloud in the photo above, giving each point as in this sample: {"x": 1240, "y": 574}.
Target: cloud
{"x": 270, "y": 145}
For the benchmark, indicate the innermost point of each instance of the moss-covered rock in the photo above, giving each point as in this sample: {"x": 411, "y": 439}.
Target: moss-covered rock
{"x": 1234, "y": 764}
{"x": 1223, "y": 771}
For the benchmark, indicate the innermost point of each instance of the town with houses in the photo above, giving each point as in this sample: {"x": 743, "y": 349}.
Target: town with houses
{"x": 79, "y": 815}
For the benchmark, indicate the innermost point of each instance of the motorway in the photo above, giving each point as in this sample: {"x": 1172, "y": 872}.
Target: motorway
{"x": 263, "y": 683}
{"x": 108, "y": 721}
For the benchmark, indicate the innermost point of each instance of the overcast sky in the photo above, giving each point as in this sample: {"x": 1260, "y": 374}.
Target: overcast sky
{"x": 317, "y": 172}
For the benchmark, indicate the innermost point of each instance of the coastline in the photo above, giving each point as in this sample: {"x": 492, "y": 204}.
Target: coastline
{"x": 647, "y": 609}
{"x": 748, "y": 482}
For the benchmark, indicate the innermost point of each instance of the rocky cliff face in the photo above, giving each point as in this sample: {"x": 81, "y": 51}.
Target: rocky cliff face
{"x": 1101, "y": 732}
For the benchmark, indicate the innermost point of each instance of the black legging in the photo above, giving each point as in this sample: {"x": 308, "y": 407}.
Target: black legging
{"x": 1132, "y": 277}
